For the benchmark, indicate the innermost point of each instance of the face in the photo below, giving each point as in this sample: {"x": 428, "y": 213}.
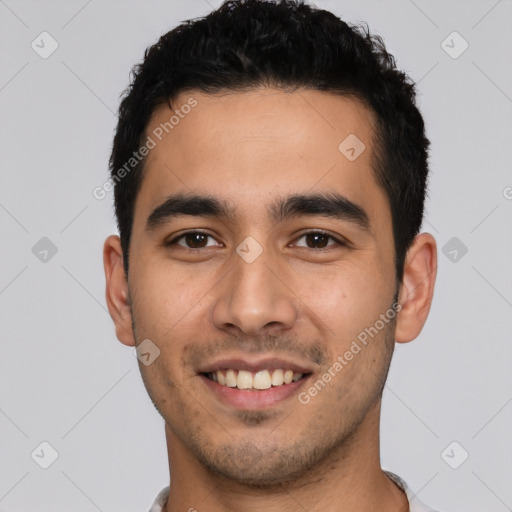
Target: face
{"x": 260, "y": 251}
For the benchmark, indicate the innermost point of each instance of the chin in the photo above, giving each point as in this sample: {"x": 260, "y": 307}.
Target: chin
{"x": 262, "y": 467}
{"x": 267, "y": 477}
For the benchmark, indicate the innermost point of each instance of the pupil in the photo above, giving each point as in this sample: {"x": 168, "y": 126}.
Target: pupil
{"x": 317, "y": 240}
{"x": 196, "y": 240}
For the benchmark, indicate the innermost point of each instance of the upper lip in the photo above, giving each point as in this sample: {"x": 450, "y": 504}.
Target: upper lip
{"x": 254, "y": 365}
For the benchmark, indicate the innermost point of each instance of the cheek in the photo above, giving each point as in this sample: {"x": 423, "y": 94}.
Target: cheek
{"x": 165, "y": 298}
{"x": 343, "y": 301}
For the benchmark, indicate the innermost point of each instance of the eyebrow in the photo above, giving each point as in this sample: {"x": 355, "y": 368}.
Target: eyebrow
{"x": 180, "y": 205}
{"x": 325, "y": 205}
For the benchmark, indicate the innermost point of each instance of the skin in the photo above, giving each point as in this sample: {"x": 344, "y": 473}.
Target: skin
{"x": 299, "y": 299}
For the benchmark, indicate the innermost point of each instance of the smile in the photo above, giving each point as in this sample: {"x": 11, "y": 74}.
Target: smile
{"x": 259, "y": 380}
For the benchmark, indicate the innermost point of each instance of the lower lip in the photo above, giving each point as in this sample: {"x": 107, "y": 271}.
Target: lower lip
{"x": 257, "y": 399}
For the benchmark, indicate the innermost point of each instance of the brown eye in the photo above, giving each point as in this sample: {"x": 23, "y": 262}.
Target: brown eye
{"x": 194, "y": 240}
{"x": 317, "y": 240}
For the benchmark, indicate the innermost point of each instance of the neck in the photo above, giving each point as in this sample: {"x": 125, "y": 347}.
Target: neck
{"x": 350, "y": 479}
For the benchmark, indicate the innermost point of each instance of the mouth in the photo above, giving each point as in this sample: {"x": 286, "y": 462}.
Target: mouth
{"x": 255, "y": 380}
{"x": 254, "y": 385}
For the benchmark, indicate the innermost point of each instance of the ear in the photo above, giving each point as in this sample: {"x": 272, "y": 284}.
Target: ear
{"x": 118, "y": 301}
{"x": 417, "y": 287}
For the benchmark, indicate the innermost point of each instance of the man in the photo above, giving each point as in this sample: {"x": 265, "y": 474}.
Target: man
{"x": 270, "y": 169}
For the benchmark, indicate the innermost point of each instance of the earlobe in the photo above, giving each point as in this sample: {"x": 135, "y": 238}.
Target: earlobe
{"x": 116, "y": 293}
{"x": 417, "y": 288}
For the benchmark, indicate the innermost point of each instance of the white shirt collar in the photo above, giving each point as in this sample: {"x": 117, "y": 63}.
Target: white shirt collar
{"x": 415, "y": 504}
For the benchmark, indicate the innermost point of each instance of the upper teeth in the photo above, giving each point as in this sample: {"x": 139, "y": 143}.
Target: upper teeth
{"x": 262, "y": 379}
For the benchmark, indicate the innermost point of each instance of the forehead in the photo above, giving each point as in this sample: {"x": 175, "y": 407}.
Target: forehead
{"x": 246, "y": 146}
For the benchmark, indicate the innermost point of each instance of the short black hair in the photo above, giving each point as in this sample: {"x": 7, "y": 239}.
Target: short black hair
{"x": 246, "y": 44}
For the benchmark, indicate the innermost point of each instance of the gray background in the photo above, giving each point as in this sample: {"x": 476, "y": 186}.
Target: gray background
{"x": 67, "y": 381}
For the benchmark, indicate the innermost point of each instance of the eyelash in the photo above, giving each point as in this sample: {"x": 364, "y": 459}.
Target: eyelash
{"x": 175, "y": 240}
{"x": 337, "y": 241}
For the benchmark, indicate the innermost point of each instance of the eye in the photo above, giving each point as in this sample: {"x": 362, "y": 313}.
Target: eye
{"x": 194, "y": 240}
{"x": 317, "y": 240}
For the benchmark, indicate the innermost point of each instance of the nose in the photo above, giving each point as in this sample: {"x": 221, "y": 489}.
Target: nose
{"x": 254, "y": 299}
